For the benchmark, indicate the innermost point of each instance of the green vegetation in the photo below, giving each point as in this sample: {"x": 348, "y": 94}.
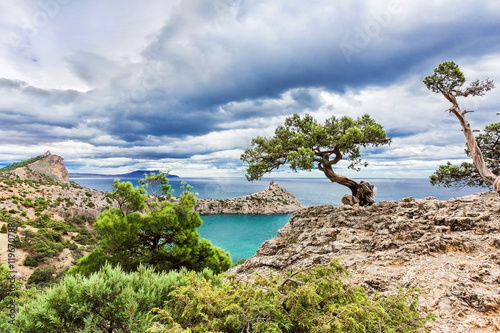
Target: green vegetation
{"x": 42, "y": 277}
{"x": 43, "y": 244}
{"x": 466, "y": 174}
{"x": 21, "y": 164}
{"x": 3, "y": 230}
{"x": 309, "y": 300}
{"x": 312, "y": 300}
{"x": 302, "y": 142}
{"x": 110, "y": 300}
{"x": 29, "y": 261}
{"x": 448, "y": 80}
{"x": 161, "y": 233}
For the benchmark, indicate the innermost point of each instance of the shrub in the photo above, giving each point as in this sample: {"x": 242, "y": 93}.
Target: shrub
{"x": 4, "y": 229}
{"x": 44, "y": 243}
{"x": 28, "y": 261}
{"x": 43, "y": 277}
{"x": 312, "y": 300}
{"x": 107, "y": 301}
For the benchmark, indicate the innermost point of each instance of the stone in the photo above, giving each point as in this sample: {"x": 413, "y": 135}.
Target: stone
{"x": 273, "y": 200}
{"x": 447, "y": 249}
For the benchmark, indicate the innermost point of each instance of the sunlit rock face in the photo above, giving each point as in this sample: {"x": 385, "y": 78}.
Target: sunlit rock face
{"x": 450, "y": 250}
{"x": 52, "y": 166}
{"x": 273, "y": 200}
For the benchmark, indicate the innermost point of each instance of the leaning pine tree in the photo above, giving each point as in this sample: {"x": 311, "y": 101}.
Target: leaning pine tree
{"x": 302, "y": 142}
{"x": 448, "y": 80}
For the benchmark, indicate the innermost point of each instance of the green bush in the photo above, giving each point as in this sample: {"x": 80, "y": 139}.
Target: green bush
{"x": 44, "y": 243}
{"x": 161, "y": 232}
{"x": 313, "y": 300}
{"x": 107, "y": 301}
{"x": 43, "y": 277}
{"x": 29, "y": 261}
{"x": 4, "y": 229}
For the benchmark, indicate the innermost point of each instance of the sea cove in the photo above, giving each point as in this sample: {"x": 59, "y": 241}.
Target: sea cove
{"x": 241, "y": 235}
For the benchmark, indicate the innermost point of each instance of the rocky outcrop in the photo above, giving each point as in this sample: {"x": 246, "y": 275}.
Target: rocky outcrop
{"x": 450, "y": 250}
{"x": 52, "y": 166}
{"x": 273, "y": 200}
{"x": 38, "y": 169}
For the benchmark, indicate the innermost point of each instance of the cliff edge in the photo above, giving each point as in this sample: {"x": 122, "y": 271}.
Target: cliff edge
{"x": 47, "y": 164}
{"x": 273, "y": 200}
{"x": 450, "y": 250}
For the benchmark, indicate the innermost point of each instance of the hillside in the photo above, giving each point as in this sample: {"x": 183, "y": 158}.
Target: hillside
{"x": 36, "y": 194}
{"x": 448, "y": 249}
{"x": 39, "y": 168}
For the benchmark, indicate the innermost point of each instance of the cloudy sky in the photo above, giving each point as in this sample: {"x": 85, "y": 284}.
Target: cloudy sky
{"x": 184, "y": 85}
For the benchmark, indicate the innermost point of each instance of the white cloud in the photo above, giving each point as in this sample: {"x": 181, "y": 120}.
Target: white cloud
{"x": 186, "y": 85}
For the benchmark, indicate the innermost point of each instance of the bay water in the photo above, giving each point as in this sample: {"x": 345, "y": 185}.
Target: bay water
{"x": 241, "y": 235}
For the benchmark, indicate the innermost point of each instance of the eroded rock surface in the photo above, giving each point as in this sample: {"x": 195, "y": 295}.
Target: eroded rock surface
{"x": 448, "y": 249}
{"x": 273, "y": 200}
{"x": 52, "y": 166}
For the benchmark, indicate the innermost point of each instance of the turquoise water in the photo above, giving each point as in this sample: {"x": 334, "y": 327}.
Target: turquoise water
{"x": 241, "y": 235}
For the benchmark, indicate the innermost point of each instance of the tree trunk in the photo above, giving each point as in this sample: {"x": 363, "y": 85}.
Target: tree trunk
{"x": 475, "y": 151}
{"x": 362, "y": 191}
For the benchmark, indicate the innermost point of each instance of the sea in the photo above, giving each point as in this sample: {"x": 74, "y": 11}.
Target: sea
{"x": 242, "y": 235}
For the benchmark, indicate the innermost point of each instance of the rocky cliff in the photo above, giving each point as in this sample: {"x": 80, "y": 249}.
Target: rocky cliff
{"x": 46, "y": 165}
{"x": 52, "y": 166}
{"x": 273, "y": 200}
{"x": 450, "y": 250}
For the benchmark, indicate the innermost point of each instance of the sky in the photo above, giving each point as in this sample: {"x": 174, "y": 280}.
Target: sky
{"x": 114, "y": 86}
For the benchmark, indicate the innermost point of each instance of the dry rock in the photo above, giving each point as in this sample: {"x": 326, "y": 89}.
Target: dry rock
{"x": 447, "y": 249}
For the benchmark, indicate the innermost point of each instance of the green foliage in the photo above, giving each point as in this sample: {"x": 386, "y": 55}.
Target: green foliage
{"x": 43, "y": 276}
{"x": 10, "y": 290}
{"x": 301, "y": 142}
{"x": 43, "y": 244}
{"x": 448, "y": 80}
{"x": 21, "y": 164}
{"x": 110, "y": 300}
{"x": 466, "y": 174}
{"x": 85, "y": 237}
{"x": 127, "y": 197}
{"x": 3, "y": 230}
{"x": 160, "y": 180}
{"x": 313, "y": 300}
{"x": 162, "y": 234}
{"x": 29, "y": 261}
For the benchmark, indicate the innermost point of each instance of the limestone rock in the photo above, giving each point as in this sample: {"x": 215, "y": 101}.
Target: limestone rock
{"x": 448, "y": 249}
{"x": 273, "y": 200}
{"x": 52, "y": 166}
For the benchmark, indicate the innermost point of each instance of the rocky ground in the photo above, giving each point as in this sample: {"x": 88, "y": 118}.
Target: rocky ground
{"x": 450, "y": 250}
{"x": 273, "y": 200}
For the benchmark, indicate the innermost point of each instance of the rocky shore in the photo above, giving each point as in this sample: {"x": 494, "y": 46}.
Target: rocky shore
{"x": 450, "y": 250}
{"x": 273, "y": 200}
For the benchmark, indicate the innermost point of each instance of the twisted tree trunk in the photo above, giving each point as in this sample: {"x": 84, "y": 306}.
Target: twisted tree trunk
{"x": 475, "y": 151}
{"x": 362, "y": 192}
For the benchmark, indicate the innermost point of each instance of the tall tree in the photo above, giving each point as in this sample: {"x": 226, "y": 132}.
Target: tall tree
{"x": 160, "y": 232}
{"x": 466, "y": 174}
{"x": 448, "y": 80}
{"x": 302, "y": 142}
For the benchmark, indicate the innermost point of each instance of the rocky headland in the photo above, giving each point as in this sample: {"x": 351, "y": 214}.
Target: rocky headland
{"x": 450, "y": 250}
{"x": 273, "y": 200}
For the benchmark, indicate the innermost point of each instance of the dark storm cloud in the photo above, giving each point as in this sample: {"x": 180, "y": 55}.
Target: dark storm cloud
{"x": 335, "y": 50}
{"x": 222, "y": 65}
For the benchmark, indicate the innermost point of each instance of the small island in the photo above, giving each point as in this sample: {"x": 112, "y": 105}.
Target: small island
{"x": 273, "y": 200}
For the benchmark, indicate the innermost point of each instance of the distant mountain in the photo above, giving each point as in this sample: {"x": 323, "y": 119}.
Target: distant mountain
{"x": 134, "y": 174}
